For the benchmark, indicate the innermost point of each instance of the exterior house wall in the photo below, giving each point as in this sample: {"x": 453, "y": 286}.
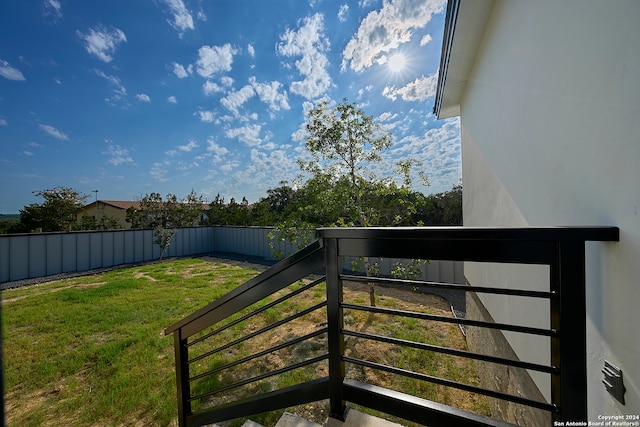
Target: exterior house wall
{"x": 99, "y": 210}
{"x": 550, "y": 121}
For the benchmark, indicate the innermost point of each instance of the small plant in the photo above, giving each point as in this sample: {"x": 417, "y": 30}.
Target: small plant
{"x": 162, "y": 238}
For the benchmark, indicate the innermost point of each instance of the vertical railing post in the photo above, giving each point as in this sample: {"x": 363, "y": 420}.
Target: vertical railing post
{"x": 568, "y": 316}
{"x": 182, "y": 377}
{"x": 335, "y": 337}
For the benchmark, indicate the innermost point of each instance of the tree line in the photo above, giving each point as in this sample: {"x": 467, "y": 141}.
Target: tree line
{"x": 344, "y": 147}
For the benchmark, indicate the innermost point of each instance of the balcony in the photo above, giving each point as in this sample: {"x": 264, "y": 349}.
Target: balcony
{"x": 204, "y": 390}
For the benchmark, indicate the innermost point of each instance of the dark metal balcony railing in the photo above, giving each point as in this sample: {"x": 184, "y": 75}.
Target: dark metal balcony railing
{"x": 207, "y": 342}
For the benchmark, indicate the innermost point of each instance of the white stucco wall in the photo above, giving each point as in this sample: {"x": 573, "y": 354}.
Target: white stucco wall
{"x": 550, "y": 125}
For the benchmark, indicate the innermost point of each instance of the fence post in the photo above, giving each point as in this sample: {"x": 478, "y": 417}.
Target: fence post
{"x": 568, "y": 317}
{"x": 335, "y": 337}
{"x": 182, "y": 378}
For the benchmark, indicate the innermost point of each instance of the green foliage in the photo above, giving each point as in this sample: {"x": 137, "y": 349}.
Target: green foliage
{"x": 162, "y": 237}
{"x": 10, "y": 224}
{"x": 168, "y": 213}
{"x": 56, "y": 213}
{"x": 106, "y": 222}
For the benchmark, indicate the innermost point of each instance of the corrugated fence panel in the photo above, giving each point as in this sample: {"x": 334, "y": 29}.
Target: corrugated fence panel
{"x": 69, "y": 249}
{"x": 107, "y": 249}
{"x": 118, "y": 248}
{"x": 38, "y": 256}
{"x": 83, "y": 252}
{"x": 34, "y": 255}
{"x": 54, "y": 254}
{"x": 5, "y": 260}
{"x": 129, "y": 248}
{"x": 19, "y": 266}
{"x": 95, "y": 250}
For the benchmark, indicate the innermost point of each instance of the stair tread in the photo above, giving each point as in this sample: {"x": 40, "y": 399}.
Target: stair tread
{"x": 290, "y": 420}
{"x": 360, "y": 419}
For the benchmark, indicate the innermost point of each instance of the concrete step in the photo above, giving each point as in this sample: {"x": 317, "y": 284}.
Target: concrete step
{"x": 360, "y": 419}
{"x": 290, "y": 420}
{"x": 354, "y": 419}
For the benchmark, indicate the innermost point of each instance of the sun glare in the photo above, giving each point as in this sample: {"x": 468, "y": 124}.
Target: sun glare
{"x": 397, "y": 62}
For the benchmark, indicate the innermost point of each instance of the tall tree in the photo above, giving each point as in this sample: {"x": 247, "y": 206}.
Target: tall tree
{"x": 344, "y": 142}
{"x": 56, "y": 213}
{"x": 344, "y": 146}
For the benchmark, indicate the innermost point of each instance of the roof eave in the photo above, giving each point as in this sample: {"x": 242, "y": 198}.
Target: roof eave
{"x": 465, "y": 24}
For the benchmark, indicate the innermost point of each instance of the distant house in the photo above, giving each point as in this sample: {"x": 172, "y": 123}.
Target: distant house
{"x": 548, "y": 95}
{"x": 112, "y": 208}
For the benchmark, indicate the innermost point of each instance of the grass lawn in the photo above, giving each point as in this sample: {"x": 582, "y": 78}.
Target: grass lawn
{"x": 91, "y": 351}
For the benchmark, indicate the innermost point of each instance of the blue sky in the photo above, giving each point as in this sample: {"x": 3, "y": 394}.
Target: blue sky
{"x": 133, "y": 97}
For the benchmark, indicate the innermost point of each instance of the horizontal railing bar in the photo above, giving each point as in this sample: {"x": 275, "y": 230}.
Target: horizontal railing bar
{"x": 297, "y": 266}
{"x": 452, "y": 286}
{"x": 458, "y": 321}
{"x": 260, "y": 354}
{"x": 260, "y": 310}
{"x": 260, "y": 331}
{"x": 310, "y": 391}
{"x": 454, "y": 352}
{"x": 453, "y": 384}
{"x": 413, "y": 408}
{"x": 261, "y": 377}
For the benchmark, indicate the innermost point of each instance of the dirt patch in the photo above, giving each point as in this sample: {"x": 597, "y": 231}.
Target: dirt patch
{"x": 40, "y": 291}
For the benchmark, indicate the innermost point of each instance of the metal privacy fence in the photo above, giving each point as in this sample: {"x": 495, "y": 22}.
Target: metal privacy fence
{"x": 28, "y": 256}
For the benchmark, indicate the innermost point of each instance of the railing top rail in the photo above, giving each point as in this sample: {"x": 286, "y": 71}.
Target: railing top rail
{"x": 256, "y": 281}
{"x": 595, "y": 233}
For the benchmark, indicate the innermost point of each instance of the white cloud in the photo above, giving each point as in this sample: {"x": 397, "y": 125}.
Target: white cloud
{"x": 438, "y": 150}
{"x": 383, "y": 31}
{"x": 214, "y": 59}
{"x": 270, "y": 94}
{"x": 159, "y": 172}
{"x": 386, "y": 116}
{"x": 52, "y": 8}
{"x": 234, "y": 100}
{"x": 251, "y": 50}
{"x": 118, "y": 155}
{"x": 3, "y": 122}
{"x": 54, "y": 132}
{"x": 267, "y": 169}
{"x": 217, "y": 151}
{"x": 250, "y": 134}
{"x": 206, "y": 116}
{"x": 420, "y": 89}
{"x": 102, "y": 42}
{"x": 9, "y": 72}
{"x": 143, "y": 97}
{"x": 188, "y": 147}
{"x": 426, "y": 39}
{"x": 119, "y": 91}
{"x": 182, "y": 19}
{"x": 27, "y": 153}
{"x": 172, "y": 100}
{"x": 343, "y": 12}
{"x": 309, "y": 43}
{"x": 209, "y": 88}
{"x": 180, "y": 71}
{"x": 227, "y": 81}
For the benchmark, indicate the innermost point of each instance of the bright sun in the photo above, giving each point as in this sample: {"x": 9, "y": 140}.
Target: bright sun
{"x": 397, "y": 62}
